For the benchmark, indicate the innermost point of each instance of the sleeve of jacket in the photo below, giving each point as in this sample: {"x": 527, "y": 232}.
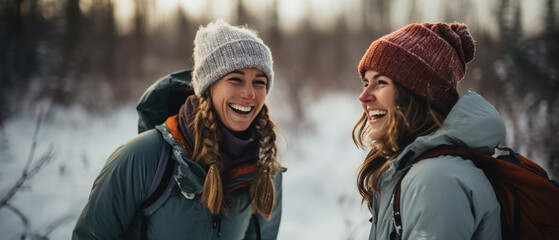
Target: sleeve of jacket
{"x": 446, "y": 198}
{"x": 118, "y": 190}
{"x": 268, "y": 227}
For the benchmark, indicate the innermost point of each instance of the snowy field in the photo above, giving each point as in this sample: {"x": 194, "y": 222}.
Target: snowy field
{"x": 320, "y": 196}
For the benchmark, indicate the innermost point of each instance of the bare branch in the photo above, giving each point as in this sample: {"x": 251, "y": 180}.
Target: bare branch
{"x": 21, "y": 216}
{"x": 4, "y": 200}
{"x": 26, "y": 174}
{"x": 36, "y": 167}
{"x": 34, "y": 142}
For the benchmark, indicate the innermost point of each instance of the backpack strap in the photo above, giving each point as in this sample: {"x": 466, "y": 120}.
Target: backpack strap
{"x": 485, "y": 162}
{"x": 161, "y": 188}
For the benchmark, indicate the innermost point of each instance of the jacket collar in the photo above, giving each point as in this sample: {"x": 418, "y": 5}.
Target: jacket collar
{"x": 473, "y": 122}
{"x": 190, "y": 176}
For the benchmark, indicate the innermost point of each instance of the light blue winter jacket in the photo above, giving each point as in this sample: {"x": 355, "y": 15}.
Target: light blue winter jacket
{"x": 445, "y": 197}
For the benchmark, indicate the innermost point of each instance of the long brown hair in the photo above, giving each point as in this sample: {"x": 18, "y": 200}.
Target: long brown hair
{"x": 206, "y": 153}
{"x": 412, "y": 117}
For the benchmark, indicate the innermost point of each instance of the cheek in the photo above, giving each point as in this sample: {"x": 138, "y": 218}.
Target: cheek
{"x": 219, "y": 107}
{"x": 261, "y": 97}
{"x": 216, "y": 104}
{"x": 388, "y": 99}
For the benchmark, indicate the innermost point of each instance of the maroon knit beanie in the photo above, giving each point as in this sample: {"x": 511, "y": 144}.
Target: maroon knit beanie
{"x": 427, "y": 59}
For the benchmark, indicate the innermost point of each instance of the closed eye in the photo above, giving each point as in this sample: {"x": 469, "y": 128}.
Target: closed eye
{"x": 365, "y": 83}
{"x": 235, "y": 79}
{"x": 259, "y": 82}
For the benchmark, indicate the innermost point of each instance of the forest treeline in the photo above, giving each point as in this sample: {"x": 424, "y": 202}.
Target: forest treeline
{"x": 63, "y": 54}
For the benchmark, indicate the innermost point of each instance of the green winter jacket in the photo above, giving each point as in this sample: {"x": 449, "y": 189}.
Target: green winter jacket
{"x": 445, "y": 197}
{"x": 112, "y": 209}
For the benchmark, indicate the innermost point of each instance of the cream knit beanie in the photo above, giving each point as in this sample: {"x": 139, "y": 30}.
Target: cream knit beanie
{"x": 220, "y": 48}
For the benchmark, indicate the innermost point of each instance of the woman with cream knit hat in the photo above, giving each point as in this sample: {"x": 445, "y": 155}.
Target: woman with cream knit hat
{"x": 226, "y": 180}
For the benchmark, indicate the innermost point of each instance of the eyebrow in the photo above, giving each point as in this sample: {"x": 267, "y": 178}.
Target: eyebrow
{"x": 243, "y": 73}
{"x": 375, "y": 77}
{"x": 378, "y": 75}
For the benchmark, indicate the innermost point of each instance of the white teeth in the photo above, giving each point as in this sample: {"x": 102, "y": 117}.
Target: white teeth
{"x": 377, "y": 112}
{"x": 240, "y": 108}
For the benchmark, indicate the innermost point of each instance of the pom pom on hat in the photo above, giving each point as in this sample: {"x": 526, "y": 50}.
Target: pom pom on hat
{"x": 427, "y": 59}
{"x": 220, "y": 48}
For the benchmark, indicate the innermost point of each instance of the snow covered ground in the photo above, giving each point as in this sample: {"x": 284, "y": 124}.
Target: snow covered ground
{"x": 320, "y": 196}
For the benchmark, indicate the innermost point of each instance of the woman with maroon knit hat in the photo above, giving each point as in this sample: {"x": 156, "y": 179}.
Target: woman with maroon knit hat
{"x": 411, "y": 105}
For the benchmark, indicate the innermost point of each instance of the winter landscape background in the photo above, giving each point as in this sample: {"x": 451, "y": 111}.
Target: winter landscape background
{"x": 78, "y": 67}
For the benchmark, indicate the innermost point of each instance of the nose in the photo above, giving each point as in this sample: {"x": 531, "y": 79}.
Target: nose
{"x": 248, "y": 92}
{"x": 366, "y": 96}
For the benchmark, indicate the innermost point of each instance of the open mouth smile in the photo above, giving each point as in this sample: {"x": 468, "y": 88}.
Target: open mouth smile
{"x": 376, "y": 114}
{"x": 240, "y": 109}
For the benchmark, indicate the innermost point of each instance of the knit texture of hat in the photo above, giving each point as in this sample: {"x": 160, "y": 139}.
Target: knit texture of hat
{"x": 220, "y": 48}
{"x": 427, "y": 59}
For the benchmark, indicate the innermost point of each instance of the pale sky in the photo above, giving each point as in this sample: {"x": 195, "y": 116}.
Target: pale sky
{"x": 322, "y": 13}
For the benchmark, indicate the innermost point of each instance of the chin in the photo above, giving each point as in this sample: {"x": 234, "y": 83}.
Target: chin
{"x": 237, "y": 128}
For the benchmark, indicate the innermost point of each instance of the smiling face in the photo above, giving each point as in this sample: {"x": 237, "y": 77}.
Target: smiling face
{"x": 377, "y": 100}
{"x": 238, "y": 97}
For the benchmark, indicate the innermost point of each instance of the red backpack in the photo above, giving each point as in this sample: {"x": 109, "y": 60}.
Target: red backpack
{"x": 529, "y": 199}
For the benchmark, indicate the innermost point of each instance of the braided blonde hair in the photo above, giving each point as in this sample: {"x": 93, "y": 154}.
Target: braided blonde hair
{"x": 262, "y": 190}
{"x": 206, "y": 153}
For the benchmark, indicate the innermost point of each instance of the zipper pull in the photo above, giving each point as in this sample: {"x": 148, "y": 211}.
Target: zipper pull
{"x": 217, "y": 224}
{"x": 373, "y": 219}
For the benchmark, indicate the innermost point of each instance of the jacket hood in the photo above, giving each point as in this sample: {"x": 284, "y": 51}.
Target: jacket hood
{"x": 160, "y": 101}
{"x": 163, "y": 99}
{"x": 473, "y": 122}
